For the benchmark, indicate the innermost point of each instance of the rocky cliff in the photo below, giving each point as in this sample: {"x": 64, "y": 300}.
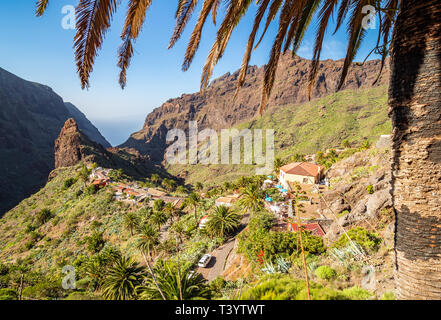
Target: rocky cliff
{"x": 73, "y": 146}
{"x": 31, "y": 116}
{"x": 216, "y": 109}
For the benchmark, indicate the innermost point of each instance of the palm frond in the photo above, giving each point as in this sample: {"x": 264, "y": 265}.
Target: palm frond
{"x": 324, "y": 15}
{"x": 196, "y": 35}
{"x": 274, "y": 8}
{"x": 356, "y": 35}
{"x": 132, "y": 27}
{"x": 234, "y": 13}
{"x": 93, "y": 20}
{"x": 246, "y": 59}
{"x": 308, "y": 12}
{"x": 41, "y": 7}
{"x": 271, "y": 67}
{"x": 183, "y": 14}
{"x": 214, "y": 10}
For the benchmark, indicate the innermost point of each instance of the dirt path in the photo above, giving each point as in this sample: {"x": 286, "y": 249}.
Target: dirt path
{"x": 220, "y": 255}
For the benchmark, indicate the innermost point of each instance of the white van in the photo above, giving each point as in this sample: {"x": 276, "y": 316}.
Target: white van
{"x": 204, "y": 260}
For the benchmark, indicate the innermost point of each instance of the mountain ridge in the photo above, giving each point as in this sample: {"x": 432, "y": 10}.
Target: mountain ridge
{"x": 31, "y": 116}
{"x": 214, "y": 109}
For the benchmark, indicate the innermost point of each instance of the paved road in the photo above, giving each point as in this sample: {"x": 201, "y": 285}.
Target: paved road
{"x": 219, "y": 256}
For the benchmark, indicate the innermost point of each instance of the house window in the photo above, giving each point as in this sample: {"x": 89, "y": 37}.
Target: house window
{"x": 305, "y": 180}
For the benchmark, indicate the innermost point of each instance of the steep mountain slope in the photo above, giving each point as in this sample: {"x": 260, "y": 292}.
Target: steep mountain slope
{"x": 217, "y": 109}
{"x": 73, "y": 146}
{"x": 355, "y": 115}
{"x": 86, "y": 126}
{"x": 31, "y": 116}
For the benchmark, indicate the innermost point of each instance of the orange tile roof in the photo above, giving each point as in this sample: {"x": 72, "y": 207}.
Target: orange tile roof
{"x": 302, "y": 169}
{"x": 315, "y": 228}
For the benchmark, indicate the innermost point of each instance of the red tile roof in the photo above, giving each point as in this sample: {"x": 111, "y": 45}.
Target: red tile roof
{"x": 314, "y": 228}
{"x": 302, "y": 169}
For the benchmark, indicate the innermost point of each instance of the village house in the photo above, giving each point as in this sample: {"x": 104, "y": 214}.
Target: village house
{"x": 156, "y": 194}
{"x": 227, "y": 201}
{"x": 315, "y": 228}
{"x": 300, "y": 172}
{"x": 203, "y": 222}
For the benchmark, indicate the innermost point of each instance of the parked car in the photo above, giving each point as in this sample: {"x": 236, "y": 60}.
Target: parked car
{"x": 204, "y": 260}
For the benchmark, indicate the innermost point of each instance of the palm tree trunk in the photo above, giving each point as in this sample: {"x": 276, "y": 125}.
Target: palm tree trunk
{"x": 415, "y": 109}
{"x": 153, "y": 275}
{"x": 21, "y": 286}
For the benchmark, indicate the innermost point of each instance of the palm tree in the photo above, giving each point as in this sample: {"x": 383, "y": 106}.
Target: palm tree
{"x": 222, "y": 221}
{"x": 278, "y": 163}
{"x": 155, "y": 178}
{"x": 159, "y": 218}
{"x": 251, "y": 199}
{"x": 414, "y": 94}
{"x": 148, "y": 239}
{"x": 176, "y": 284}
{"x": 193, "y": 200}
{"x": 131, "y": 221}
{"x": 122, "y": 279}
{"x": 199, "y": 186}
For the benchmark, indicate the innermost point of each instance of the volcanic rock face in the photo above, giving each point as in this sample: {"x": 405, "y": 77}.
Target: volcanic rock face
{"x": 70, "y": 145}
{"x": 73, "y": 146}
{"x": 217, "y": 109}
{"x": 31, "y": 116}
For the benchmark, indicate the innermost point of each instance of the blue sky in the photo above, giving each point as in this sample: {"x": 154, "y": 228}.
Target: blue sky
{"x": 40, "y": 50}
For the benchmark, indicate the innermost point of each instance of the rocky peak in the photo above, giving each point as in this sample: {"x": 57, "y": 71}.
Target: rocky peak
{"x": 70, "y": 145}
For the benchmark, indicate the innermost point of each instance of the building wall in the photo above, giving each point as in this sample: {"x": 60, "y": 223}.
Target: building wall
{"x": 285, "y": 178}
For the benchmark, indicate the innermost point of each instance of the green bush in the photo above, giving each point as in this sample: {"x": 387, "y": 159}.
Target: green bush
{"x": 43, "y": 216}
{"x": 69, "y": 182}
{"x": 388, "y": 296}
{"x": 370, "y": 189}
{"x": 356, "y": 293}
{"x": 90, "y": 190}
{"x": 8, "y": 294}
{"x": 369, "y": 241}
{"x": 284, "y": 287}
{"x": 95, "y": 242}
{"x": 325, "y": 273}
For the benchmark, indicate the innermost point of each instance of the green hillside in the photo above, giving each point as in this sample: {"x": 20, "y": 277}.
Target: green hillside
{"x": 353, "y": 115}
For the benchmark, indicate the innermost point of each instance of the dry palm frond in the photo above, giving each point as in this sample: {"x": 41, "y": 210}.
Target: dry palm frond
{"x": 385, "y": 29}
{"x": 214, "y": 10}
{"x": 132, "y": 27}
{"x": 235, "y": 12}
{"x": 196, "y": 35}
{"x": 342, "y": 12}
{"x": 308, "y": 12}
{"x": 324, "y": 15}
{"x": 271, "y": 67}
{"x": 41, "y": 7}
{"x": 183, "y": 14}
{"x": 274, "y": 8}
{"x": 93, "y": 20}
{"x": 246, "y": 59}
{"x": 356, "y": 34}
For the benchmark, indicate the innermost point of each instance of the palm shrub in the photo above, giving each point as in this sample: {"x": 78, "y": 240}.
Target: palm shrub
{"x": 173, "y": 282}
{"x": 222, "y": 222}
{"x": 122, "y": 279}
{"x": 252, "y": 198}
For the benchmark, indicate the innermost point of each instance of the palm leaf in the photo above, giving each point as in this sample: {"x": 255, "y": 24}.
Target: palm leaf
{"x": 183, "y": 14}
{"x": 132, "y": 27}
{"x": 41, "y": 7}
{"x": 93, "y": 20}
